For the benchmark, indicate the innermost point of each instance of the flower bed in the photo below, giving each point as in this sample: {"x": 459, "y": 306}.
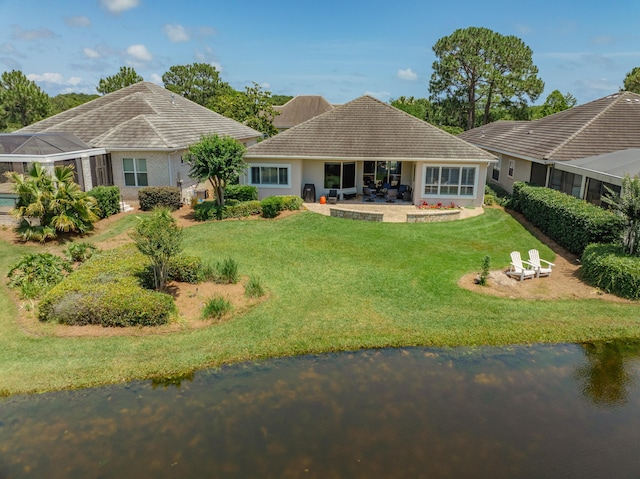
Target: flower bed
{"x": 437, "y": 206}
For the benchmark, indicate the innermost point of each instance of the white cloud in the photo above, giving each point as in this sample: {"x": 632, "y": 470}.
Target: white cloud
{"x": 139, "y": 52}
{"x": 265, "y": 85}
{"x": 155, "y": 78}
{"x": 119, "y": 6}
{"x": 90, "y": 53}
{"x": 78, "y": 21}
{"x": 36, "y": 34}
{"x": 55, "y": 79}
{"x": 176, "y": 33}
{"x": 407, "y": 74}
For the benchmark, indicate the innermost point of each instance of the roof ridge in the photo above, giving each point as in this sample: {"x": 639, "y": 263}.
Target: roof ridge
{"x": 588, "y": 123}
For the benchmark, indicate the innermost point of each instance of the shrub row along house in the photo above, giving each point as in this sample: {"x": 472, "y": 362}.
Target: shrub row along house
{"x": 133, "y": 137}
{"x": 577, "y": 151}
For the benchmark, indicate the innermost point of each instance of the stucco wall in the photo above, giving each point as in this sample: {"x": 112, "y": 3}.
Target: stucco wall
{"x": 476, "y": 200}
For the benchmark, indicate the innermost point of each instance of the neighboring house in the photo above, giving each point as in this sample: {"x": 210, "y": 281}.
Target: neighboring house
{"x": 367, "y": 141}
{"x": 300, "y": 109}
{"x": 567, "y": 151}
{"x": 143, "y": 130}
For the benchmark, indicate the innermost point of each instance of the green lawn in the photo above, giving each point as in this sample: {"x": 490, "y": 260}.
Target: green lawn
{"x": 334, "y": 285}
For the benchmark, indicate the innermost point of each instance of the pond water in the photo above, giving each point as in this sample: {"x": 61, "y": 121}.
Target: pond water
{"x": 519, "y": 412}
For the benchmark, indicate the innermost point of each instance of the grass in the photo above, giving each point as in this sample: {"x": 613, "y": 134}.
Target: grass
{"x": 333, "y": 285}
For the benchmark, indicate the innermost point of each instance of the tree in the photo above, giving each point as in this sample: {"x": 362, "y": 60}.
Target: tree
{"x": 632, "y": 81}
{"x": 22, "y": 102}
{"x": 555, "y": 102}
{"x": 414, "y": 106}
{"x": 198, "y": 82}
{"x": 252, "y": 107}
{"x": 218, "y": 160}
{"x": 66, "y": 101}
{"x": 277, "y": 100}
{"x": 627, "y": 204}
{"x": 50, "y": 203}
{"x": 477, "y": 66}
{"x": 125, "y": 77}
{"x": 158, "y": 237}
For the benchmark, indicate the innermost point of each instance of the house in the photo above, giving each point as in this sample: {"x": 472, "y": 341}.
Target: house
{"x": 571, "y": 151}
{"x": 300, "y": 109}
{"x": 140, "y": 133}
{"x": 366, "y": 143}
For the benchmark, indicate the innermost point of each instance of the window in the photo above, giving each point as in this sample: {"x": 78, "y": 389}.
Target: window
{"x": 495, "y": 174}
{"x": 512, "y": 166}
{"x": 381, "y": 172}
{"x": 135, "y": 172}
{"x": 269, "y": 175}
{"x": 450, "y": 180}
{"x": 339, "y": 175}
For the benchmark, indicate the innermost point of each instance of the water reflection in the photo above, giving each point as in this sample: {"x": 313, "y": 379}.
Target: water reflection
{"x": 487, "y": 412}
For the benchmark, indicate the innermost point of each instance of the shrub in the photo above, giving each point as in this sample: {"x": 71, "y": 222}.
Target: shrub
{"x": 241, "y": 193}
{"x": 227, "y": 271}
{"x": 80, "y": 252}
{"x": 254, "y": 288}
{"x": 216, "y": 308}
{"x": 610, "y": 269}
{"x": 106, "y": 290}
{"x": 484, "y": 275}
{"x": 36, "y": 273}
{"x": 108, "y": 198}
{"x": 291, "y": 202}
{"x": 498, "y": 194}
{"x": 208, "y": 210}
{"x": 186, "y": 269}
{"x": 151, "y": 197}
{"x": 570, "y": 221}
{"x": 271, "y": 206}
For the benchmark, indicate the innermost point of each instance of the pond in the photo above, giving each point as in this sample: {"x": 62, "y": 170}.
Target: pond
{"x": 517, "y": 412}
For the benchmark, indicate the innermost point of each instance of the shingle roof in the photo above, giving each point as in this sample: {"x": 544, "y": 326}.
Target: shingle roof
{"x": 143, "y": 115}
{"x": 609, "y": 124}
{"x": 299, "y": 109}
{"x": 367, "y": 128}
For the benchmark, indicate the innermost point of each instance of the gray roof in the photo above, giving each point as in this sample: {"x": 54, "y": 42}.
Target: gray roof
{"x": 143, "y": 115}
{"x": 615, "y": 164}
{"x": 300, "y": 109}
{"x": 609, "y": 124}
{"x": 366, "y": 128}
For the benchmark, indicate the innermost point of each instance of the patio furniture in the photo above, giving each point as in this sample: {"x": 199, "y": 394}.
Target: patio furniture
{"x": 519, "y": 268}
{"x": 333, "y": 197}
{"x": 534, "y": 259}
{"x": 391, "y": 195}
{"x": 369, "y": 194}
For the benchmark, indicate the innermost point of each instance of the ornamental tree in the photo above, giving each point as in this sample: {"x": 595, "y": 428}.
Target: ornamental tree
{"x": 219, "y": 160}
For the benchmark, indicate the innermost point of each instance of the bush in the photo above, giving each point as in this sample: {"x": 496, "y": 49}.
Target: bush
{"x": 208, "y": 210}
{"x": 610, "y": 269}
{"x": 216, "y": 308}
{"x": 571, "y": 222}
{"x": 241, "y": 193}
{"x": 151, "y": 197}
{"x": 227, "y": 271}
{"x": 80, "y": 252}
{"x": 254, "y": 288}
{"x": 186, "y": 269}
{"x": 106, "y": 290}
{"x": 495, "y": 193}
{"x": 291, "y": 202}
{"x": 108, "y": 198}
{"x": 272, "y": 206}
{"x": 36, "y": 273}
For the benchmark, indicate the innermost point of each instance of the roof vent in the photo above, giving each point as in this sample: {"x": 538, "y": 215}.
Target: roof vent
{"x": 173, "y": 99}
{"x": 628, "y": 100}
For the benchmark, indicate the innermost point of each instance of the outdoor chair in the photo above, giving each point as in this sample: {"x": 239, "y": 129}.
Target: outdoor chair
{"x": 369, "y": 194}
{"x": 333, "y": 197}
{"x": 534, "y": 259}
{"x": 520, "y": 269}
{"x": 391, "y": 195}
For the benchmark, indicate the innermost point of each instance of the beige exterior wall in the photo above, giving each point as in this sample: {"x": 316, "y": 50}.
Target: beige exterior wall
{"x": 476, "y": 200}
{"x": 521, "y": 171}
{"x": 295, "y": 178}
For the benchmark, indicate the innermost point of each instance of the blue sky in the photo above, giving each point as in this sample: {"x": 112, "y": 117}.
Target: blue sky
{"x": 338, "y": 49}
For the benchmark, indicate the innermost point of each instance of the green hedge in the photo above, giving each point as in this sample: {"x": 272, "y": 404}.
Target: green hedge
{"x": 208, "y": 210}
{"x": 106, "y": 290}
{"x": 108, "y": 198}
{"x": 571, "y": 222}
{"x": 272, "y": 206}
{"x": 241, "y": 193}
{"x": 151, "y": 197}
{"x": 610, "y": 269}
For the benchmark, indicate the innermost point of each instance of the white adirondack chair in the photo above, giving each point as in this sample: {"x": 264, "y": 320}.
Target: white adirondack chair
{"x": 534, "y": 259}
{"x": 520, "y": 269}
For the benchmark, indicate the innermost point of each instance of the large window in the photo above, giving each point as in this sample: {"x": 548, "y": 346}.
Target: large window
{"x": 566, "y": 182}
{"x": 135, "y": 172}
{"x": 339, "y": 175}
{"x": 450, "y": 180}
{"x": 382, "y": 172}
{"x": 269, "y": 175}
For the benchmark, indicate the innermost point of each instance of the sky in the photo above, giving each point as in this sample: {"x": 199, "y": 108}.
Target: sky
{"x": 338, "y": 49}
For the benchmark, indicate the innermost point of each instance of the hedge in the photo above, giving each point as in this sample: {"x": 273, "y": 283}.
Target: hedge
{"x": 241, "y": 193}
{"x": 607, "y": 267}
{"x": 106, "y": 290}
{"x": 272, "y": 206}
{"x": 108, "y": 198}
{"x": 151, "y": 197}
{"x": 208, "y": 210}
{"x": 571, "y": 222}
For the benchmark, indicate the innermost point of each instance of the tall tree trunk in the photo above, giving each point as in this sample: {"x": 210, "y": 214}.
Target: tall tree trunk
{"x": 487, "y": 106}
